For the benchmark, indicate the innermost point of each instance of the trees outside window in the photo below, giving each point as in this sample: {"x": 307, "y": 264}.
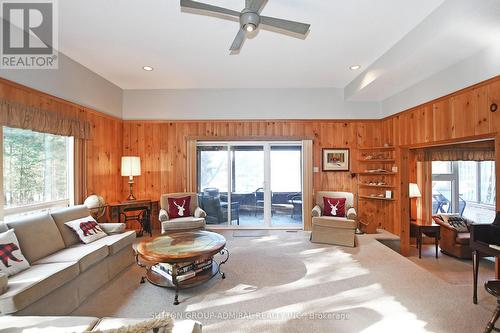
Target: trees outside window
{"x": 36, "y": 169}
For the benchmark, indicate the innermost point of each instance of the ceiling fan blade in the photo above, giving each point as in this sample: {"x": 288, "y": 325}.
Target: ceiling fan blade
{"x": 238, "y": 41}
{"x": 256, "y": 5}
{"x": 296, "y": 27}
{"x": 203, "y": 6}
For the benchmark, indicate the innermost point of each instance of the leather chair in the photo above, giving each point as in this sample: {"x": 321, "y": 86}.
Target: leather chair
{"x": 194, "y": 222}
{"x": 331, "y": 229}
{"x": 451, "y": 241}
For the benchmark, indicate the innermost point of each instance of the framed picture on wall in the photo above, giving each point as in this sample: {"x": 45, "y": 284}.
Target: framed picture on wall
{"x": 335, "y": 159}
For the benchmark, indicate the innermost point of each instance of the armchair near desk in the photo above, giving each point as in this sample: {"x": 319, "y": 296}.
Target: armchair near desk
{"x": 452, "y": 241}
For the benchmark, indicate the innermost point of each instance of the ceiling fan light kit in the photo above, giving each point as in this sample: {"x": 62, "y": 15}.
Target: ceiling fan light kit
{"x": 250, "y": 19}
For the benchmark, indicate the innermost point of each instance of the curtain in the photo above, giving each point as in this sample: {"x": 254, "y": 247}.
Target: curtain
{"x": 80, "y": 171}
{"x": 307, "y": 190}
{"x": 477, "y": 151}
{"x": 192, "y": 176}
{"x": 13, "y": 114}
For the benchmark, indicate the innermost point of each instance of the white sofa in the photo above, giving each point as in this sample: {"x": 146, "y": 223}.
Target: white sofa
{"x": 63, "y": 271}
{"x": 40, "y": 324}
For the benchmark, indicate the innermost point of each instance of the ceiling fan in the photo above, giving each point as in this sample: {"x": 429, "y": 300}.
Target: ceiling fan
{"x": 250, "y": 19}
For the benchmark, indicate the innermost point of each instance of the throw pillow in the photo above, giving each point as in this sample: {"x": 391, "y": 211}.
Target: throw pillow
{"x": 87, "y": 229}
{"x": 11, "y": 256}
{"x": 458, "y": 223}
{"x": 179, "y": 207}
{"x": 334, "y": 206}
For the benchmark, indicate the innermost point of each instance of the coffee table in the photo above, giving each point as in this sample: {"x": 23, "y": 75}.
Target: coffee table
{"x": 181, "y": 247}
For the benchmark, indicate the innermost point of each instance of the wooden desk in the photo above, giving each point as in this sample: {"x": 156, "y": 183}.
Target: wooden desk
{"x": 146, "y": 208}
{"x": 419, "y": 228}
{"x": 482, "y": 236}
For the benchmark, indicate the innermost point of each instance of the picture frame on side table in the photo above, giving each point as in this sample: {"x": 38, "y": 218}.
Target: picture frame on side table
{"x": 336, "y": 159}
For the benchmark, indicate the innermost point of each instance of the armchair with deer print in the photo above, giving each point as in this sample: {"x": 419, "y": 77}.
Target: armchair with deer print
{"x": 337, "y": 223}
{"x": 188, "y": 215}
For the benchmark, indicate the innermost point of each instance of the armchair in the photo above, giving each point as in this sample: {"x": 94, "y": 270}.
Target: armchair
{"x": 196, "y": 221}
{"x": 451, "y": 241}
{"x": 332, "y": 229}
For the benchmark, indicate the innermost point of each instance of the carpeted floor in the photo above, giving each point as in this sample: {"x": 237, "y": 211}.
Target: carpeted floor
{"x": 284, "y": 283}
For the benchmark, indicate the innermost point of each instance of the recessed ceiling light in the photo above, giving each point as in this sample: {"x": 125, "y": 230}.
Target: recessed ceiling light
{"x": 147, "y": 68}
{"x": 354, "y": 67}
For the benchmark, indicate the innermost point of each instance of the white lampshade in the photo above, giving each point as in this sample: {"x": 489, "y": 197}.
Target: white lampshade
{"x": 131, "y": 166}
{"x": 414, "y": 191}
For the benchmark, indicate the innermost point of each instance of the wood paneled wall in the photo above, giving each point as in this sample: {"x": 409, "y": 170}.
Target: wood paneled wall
{"x": 459, "y": 117}
{"x": 103, "y": 151}
{"x": 162, "y": 148}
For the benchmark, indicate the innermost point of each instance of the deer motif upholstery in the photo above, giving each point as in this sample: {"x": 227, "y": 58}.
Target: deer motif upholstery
{"x": 334, "y": 229}
{"x": 197, "y": 221}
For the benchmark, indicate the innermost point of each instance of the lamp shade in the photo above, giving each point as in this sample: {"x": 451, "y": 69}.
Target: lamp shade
{"x": 131, "y": 166}
{"x": 414, "y": 191}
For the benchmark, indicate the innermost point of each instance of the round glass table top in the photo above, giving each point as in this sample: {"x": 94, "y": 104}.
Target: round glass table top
{"x": 182, "y": 246}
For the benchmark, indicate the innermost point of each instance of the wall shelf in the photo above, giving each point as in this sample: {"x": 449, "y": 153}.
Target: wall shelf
{"x": 377, "y": 161}
{"x": 375, "y": 198}
{"x": 377, "y": 186}
{"x": 377, "y": 173}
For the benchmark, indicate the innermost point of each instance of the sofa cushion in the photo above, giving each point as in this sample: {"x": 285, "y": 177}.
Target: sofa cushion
{"x": 34, "y": 283}
{"x": 87, "y": 229}
{"x": 117, "y": 242}
{"x": 463, "y": 238}
{"x": 85, "y": 254}
{"x": 68, "y": 214}
{"x": 38, "y": 236}
{"x": 11, "y": 256}
{"x": 183, "y": 223}
{"x": 35, "y": 324}
{"x": 179, "y": 207}
{"x": 334, "y": 206}
{"x": 134, "y": 325}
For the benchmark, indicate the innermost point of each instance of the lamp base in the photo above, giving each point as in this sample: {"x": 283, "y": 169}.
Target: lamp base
{"x": 131, "y": 196}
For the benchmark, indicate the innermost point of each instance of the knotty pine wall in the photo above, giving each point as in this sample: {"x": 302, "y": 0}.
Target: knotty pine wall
{"x": 462, "y": 116}
{"x": 162, "y": 148}
{"x": 104, "y": 150}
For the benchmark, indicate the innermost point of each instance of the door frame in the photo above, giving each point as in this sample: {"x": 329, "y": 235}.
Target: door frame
{"x": 266, "y": 144}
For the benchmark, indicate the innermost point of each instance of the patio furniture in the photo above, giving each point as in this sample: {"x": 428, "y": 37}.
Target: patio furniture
{"x": 259, "y": 200}
{"x": 296, "y": 201}
{"x": 216, "y": 209}
{"x": 439, "y": 202}
{"x": 332, "y": 229}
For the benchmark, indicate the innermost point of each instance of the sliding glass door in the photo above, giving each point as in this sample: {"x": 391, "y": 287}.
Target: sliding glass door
{"x": 251, "y": 184}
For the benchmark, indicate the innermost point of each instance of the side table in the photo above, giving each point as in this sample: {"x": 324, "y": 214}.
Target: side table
{"x": 418, "y": 228}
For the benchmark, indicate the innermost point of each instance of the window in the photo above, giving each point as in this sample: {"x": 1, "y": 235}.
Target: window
{"x": 464, "y": 187}
{"x": 37, "y": 171}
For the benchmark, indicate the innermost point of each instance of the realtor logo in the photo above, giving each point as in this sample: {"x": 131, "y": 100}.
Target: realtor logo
{"x": 29, "y": 34}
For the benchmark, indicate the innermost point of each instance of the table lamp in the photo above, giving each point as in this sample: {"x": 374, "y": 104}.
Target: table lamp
{"x": 131, "y": 166}
{"x": 414, "y": 192}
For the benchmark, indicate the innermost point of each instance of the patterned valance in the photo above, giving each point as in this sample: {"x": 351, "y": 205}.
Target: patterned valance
{"x": 475, "y": 151}
{"x": 17, "y": 115}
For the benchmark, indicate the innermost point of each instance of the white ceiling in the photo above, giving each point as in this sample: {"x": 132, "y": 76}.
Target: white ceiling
{"x": 116, "y": 38}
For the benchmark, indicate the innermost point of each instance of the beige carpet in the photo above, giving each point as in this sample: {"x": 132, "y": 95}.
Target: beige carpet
{"x": 283, "y": 283}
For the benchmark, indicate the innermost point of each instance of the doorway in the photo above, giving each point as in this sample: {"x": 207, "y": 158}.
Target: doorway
{"x": 248, "y": 184}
